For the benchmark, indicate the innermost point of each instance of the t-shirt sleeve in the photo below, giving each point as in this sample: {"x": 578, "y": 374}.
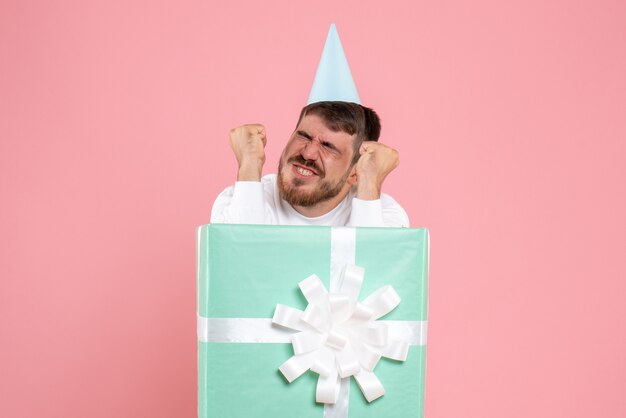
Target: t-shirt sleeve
{"x": 381, "y": 212}
{"x": 242, "y": 203}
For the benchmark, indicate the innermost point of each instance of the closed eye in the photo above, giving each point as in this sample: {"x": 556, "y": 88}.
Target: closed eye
{"x": 325, "y": 144}
{"x": 329, "y": 146}
{"x": 304, "y": 135}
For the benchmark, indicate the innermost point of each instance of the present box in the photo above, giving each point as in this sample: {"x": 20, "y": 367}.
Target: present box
{"x": 244, "y": 271}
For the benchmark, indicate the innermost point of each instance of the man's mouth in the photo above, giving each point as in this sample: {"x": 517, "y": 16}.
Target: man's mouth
{"x": 304, "y": 171}
{"x": 304, "y": 168}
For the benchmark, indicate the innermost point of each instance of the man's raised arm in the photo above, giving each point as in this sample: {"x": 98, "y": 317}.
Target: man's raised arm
{"x": 243, "y": 203}
{"x": 248, "y": 144}
{"x": 371, "y": 207}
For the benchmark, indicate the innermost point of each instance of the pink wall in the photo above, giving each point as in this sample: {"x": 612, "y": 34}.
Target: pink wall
{"x": 510, "y": 122}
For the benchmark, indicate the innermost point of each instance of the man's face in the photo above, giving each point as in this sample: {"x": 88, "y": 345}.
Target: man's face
{"x": 315, "y": 166}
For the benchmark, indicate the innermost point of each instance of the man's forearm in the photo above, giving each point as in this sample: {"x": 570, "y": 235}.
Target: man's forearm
{"x": 250, "y": 171}
{"x": 367, "y": 189}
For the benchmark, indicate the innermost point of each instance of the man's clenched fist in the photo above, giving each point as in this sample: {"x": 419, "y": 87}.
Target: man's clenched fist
{"x": 376, "y": 161}
{"x": 248, "y": 144}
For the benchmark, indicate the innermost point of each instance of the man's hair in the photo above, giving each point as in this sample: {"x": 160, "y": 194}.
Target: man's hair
{"x": 351, "y": 118}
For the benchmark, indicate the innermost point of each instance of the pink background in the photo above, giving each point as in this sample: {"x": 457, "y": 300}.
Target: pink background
{"x": 510, "y": 122}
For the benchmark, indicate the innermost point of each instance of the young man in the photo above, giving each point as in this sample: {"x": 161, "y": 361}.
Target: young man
{"x": 330, "y": 173}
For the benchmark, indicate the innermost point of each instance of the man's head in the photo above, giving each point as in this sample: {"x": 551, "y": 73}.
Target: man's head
{"x": 317, "y": 166}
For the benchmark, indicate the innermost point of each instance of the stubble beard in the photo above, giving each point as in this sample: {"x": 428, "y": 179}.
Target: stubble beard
{"x": 291, "y": 192}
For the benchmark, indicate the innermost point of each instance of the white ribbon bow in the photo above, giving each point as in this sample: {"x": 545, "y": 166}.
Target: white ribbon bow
{"x": 339, "y": 336}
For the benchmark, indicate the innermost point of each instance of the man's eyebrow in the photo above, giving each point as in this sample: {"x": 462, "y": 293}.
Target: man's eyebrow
{"x": 304, "y": 134}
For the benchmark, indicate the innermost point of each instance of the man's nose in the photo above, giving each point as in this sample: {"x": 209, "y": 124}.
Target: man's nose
{"x": 311, "y": 150}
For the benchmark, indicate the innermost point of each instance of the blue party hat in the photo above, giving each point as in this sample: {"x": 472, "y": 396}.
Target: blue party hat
{"x": 333, "y": 80}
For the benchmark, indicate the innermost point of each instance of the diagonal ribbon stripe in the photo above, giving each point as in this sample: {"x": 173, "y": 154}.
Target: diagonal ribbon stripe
{"x": 336, "y": 336}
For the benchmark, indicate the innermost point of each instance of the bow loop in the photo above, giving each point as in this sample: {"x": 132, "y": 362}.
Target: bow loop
{"x": 382, "y": 301}
{"x": 288, "y": 317}
{"x": 352, "y": 280}
{"x": 304, "y": 342}
{"x": 313, "y": 289}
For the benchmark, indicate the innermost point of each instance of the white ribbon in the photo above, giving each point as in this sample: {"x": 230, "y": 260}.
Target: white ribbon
{"x": 261, "y": 330}
{"x": 336, "y": 336}
{"x": 339, "y": 337}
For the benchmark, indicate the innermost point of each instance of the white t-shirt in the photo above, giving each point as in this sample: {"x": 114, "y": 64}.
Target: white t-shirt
{"x": 254, "y": 202}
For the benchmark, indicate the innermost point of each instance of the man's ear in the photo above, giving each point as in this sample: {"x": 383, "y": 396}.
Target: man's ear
{"x": 352, "y": 176}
